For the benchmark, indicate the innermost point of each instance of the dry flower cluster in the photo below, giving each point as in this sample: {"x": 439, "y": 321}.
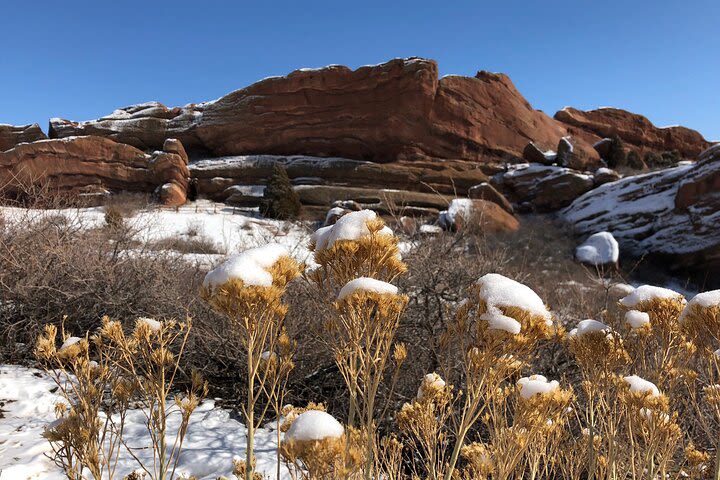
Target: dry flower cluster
{"x": 644, "y": 403}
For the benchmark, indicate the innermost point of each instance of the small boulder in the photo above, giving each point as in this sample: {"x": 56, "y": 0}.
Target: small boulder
{"x": 599, "y": 250}
{"x": 565, "y": 152}
{"x": 408, "y": 225}
{"x": 485, "y": 191}
{"x": 489, "y": 217}
{"x": 334, "y": 214}
{"x": 171, "y": 194}
{"x": 605, "y": 175}
{"x": 534, "y": 154}
{"x": 173, "y": 145}
{"x": 603, "y": 147}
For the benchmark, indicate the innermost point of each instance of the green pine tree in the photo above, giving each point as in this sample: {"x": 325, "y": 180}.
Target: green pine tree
{"x": 279, "y": 198}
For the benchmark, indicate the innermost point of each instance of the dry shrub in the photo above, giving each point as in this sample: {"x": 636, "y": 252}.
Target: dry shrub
{"x": 54, "y": 265}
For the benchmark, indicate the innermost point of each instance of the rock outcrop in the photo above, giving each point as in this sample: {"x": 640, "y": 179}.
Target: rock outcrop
{"x": 11, "y": 135}
{"x": 635, "y": 130}
{"x": 396, "y": 111}
{"x": 672, "y": 213}
{"x": 238, "y": 179}
{"x": 79, "y": 163}
{"x": 542, "y": 188}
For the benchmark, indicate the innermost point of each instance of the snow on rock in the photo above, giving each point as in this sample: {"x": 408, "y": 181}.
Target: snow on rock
{"x": 314, "y": 425}
{"x": 213, "y": 438}
{"x": 642, "y": 386}
{"x": 636, "y": 319}
{"x": 702, "y": 300}
{"x": 646, "y": 293}
{"x": 499, "y": 291}
{"x": 430, "y": 229}
{"x": 459, "y": 207}
{"x": 368, "y": 285}
{"x": 497, "y": 321}
{"x": 588, "y": 326}
{"x": 351, "y": 226}
{"x": 673, "y": 212}
{"x": 536, "y": 385}
{"x": 599, "y": 249}
{"x": 249, "y": 266}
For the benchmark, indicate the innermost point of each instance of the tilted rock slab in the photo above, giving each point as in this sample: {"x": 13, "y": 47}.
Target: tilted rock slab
{"x": 11, "y": 135}
{"x": 76, "y": 163}
{"x": 674, "y": 213}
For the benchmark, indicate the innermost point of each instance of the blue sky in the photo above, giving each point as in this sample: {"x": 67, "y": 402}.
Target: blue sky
{"x": 82, "y": 59}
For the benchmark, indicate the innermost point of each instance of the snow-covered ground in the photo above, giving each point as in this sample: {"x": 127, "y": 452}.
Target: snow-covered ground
{"x": 230, "y": 229}
{"x": 27, "y": 406}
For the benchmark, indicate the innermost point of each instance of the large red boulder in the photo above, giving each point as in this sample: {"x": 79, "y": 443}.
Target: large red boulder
{"x": 77, "y": 163}
{"x": 398, "y": 110}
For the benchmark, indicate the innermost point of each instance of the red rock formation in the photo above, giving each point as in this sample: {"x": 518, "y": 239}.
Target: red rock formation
{"x": 11, "y": 135}
{"x": 635, "y": 130}
{"x": 399, "y": 110}
{"x": 79, "y": 162}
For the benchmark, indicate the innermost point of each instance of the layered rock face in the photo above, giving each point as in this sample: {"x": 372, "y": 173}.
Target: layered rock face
{"x": 11, "y": 135}
{"x": 542, "y": 188}
{"x": 672, "y": 213}
{"x": 396, "y": 111}
{"x": 77, "y": 163}
{"x": 635, "y": 130}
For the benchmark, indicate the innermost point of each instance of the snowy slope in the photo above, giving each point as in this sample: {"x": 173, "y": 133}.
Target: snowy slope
{"x": 213, "y": 439}
{"x": 231, "y": 230}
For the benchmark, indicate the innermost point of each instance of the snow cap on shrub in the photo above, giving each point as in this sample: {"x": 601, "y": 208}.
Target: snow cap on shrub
{"x": 701, "y": 301}
{"x": 250, "y": 266}
{"x": 536, "y": 385}
{"x": 432, "y": 383}
{"x": 314, "y": 425}
{"x": 641, "y": 386}
{"x": 351, "y": 226}
{"x": 646, "y": 293}
{"x": 368, "y": 285}
{"x": 636, "y": 319}
{"x": 69, "y": 342}
{"x": 588, "y": 326}
{"x": 497, "y": 321}
{"x": 499, "y": 291}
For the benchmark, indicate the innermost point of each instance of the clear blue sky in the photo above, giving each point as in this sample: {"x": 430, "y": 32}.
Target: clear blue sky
{"x": 82, "y": 59}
